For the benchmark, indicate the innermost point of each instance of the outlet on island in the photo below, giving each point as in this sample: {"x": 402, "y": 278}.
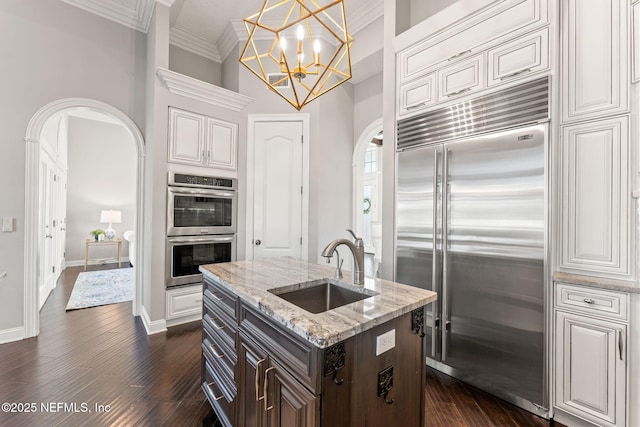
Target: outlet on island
{"x": 385, "y": 342}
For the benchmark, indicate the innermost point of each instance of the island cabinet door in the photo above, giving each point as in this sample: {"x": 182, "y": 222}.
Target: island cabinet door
{"x": 252, "y": 365}
{"x": 288, "y": 403}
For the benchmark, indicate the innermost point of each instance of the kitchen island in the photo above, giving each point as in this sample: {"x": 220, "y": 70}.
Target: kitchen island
{"x": 267, "y": 361}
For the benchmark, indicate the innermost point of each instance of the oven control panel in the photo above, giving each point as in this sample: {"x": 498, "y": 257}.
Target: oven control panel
{"x": 201, "y": 181}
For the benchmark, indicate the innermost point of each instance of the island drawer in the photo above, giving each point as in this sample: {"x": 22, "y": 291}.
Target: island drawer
{"x": 601, "y": 302}
{"x": 221, "y": 297}
{"x": 220, "y": 363}
{"x": 220, "y": 398}
{"x": 298, "y": 356}
{"x": 221, "y": 341}
{"x": 220, "y": 323}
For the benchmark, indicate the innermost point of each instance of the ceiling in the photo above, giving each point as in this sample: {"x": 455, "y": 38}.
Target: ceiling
{"x": 210, "y": 28}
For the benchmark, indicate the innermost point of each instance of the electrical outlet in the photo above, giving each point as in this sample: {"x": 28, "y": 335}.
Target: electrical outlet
{"x": 7, "y": 225}
{"x": 385, "y": 342}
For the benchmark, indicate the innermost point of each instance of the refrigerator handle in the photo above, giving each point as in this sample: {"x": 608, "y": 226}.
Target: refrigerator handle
{"x": 445, "y": 243}
{"x": 435, "y": 266}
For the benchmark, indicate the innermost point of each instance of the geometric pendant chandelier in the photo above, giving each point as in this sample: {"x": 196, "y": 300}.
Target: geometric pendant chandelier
{"x": 299, "y": 48}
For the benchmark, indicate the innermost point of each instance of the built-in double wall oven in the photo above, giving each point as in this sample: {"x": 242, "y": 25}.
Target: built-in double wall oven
{"x": 201, "y": 225}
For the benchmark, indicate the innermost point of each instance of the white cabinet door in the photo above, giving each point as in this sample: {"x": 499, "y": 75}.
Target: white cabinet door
{"x": 590, "y": 379}
{"x": 417, "y": 95}
{"x": 519, "y": 57}
{"x": 594, "y": 65}
{"x": 186, "y": 137}
{"x": 595, "y": 199}
{"x": 461, "y": 78}
{"x": 221, "y": 148}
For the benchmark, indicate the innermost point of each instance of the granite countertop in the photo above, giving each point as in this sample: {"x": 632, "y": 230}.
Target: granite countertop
{"x": 251, "y": 281}
{"x": 596, "y": 282}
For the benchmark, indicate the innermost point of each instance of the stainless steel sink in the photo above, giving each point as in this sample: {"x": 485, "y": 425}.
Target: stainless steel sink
{"x": 322, "y": 295}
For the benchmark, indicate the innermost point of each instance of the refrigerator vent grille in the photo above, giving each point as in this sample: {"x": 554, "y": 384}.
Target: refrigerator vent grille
{"x": 526, "y": 103}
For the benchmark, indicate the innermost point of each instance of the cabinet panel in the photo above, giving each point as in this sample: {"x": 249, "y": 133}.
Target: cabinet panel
{"x": 221, "y": 152}
{"x": 635, "y": 47}
{"x": 461, "y": 78}
{"x": 594, "y": 64}
{"x": 519, "y": 57}
{"x": 507, "y": 17}
{"x": 288, "y": 403}
{"x": 590, "y": 368}
{"x": 253, "y": 363}
{"x": 595, "y": 197}
{"x": 186, "y": 137}
{"x": 182, "y": 302}
{"x": 417, "y": 95}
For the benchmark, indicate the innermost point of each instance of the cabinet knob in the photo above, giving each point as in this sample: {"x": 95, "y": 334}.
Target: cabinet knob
{"x": 258, "y": 242}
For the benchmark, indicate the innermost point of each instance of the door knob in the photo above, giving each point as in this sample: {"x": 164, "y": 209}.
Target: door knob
{"x": 258, "y": 242}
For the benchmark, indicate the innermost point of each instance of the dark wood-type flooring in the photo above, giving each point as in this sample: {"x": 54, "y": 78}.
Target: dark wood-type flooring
{"x": 103, "y": 356}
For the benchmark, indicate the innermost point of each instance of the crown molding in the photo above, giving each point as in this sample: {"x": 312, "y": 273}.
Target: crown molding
{"x": 136, "y": 14}
{"x": 233, "y": 33}
{"x": 365, "y": 15}
{"x": 180, "y": 84}
{"x": 194, "y": 43}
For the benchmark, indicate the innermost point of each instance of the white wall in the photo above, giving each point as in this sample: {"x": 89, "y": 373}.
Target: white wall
{"x": 367, "y": 105}
{"x": 193, "y": 65}
{"x": 51, "y": 50}
{"x": 102, "y": 162}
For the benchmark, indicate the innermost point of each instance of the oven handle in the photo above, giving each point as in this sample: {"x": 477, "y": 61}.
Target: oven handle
{"x": 201, "y": 239}
{"x": 201, "y": 192}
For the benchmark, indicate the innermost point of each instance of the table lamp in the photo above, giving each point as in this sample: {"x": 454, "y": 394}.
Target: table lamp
{"x": 110, "y": 216}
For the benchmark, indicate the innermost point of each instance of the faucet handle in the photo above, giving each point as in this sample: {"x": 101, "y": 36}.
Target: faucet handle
{"x": 357, "y": 240}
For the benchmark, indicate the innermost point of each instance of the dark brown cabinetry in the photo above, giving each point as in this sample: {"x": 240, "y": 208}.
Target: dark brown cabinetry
{"x": 278, "y": 379}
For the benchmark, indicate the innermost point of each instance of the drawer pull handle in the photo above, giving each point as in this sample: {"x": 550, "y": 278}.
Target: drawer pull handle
{"x": 589, "y": 301}
{"x": 218, "y": 355}
{"x": 258, "y": 398}
{"x": 459, "y": 54}
{"x": 459, "y": 92}
{"x": 266, "y": 387}
{"x": 216, "y": 398}
{"x": 508, "y": 76}
{"x": 215, "y": 325}
{"x": 414, "y": 106}
{"x": 217, "y": 298}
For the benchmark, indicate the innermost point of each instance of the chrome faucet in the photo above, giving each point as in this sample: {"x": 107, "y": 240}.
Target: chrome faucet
{"x": 357, "y": 249}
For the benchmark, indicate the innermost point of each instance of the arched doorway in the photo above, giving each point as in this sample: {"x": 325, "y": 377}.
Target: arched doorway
{"x": 33, "y": 201}
{"x": 367, "y": 191}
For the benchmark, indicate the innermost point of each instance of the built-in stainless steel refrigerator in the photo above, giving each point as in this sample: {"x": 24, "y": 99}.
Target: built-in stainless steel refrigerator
{"x": 471, "y": 226}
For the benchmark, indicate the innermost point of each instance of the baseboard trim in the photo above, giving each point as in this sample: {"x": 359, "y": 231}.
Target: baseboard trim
{"x": 10, "y": 335}
{"x": 154, "y": 327}
{"x": 185, "y": 319}
{"x": 80, "y": 262}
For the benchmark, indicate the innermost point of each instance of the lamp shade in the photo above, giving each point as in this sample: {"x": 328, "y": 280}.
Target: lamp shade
{"x": 111, "y": 216}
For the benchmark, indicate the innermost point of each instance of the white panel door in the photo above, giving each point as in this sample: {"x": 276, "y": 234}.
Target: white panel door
{"x": 590, "y": 368}
{"x": 277, "y": 228}
{"x": 594, "y": 64}
{"x": 595, "y": 197}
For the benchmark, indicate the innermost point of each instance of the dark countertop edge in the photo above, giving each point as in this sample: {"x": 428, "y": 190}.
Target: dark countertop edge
{"x": 596, "y": 282}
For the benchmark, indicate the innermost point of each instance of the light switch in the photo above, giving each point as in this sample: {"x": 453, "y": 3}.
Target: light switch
{"x": 7, "y": 225}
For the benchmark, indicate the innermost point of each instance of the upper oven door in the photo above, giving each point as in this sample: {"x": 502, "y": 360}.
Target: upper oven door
{"x": 193, "y": 211}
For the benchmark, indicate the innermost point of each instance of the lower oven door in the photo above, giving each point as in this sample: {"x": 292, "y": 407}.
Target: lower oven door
{"x": 186, "y": 254}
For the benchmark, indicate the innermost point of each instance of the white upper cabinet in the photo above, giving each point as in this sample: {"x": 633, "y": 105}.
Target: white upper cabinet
{"x": 186, "y": 137}
{"x": 594, "y": 65}
{"x": 199, "y": 140}
{"x": 516, "y": 58}
{"x": 461, "y": 77}
{"x": 595, "y": 198}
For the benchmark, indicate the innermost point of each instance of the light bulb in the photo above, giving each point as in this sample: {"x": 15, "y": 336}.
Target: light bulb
{"x": 316, "y": 46}
{"x": 283, "y": 44}
{"x": 300, "y": 32}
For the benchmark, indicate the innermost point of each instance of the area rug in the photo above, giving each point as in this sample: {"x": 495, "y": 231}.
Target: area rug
{"x": 94, "y": 288}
